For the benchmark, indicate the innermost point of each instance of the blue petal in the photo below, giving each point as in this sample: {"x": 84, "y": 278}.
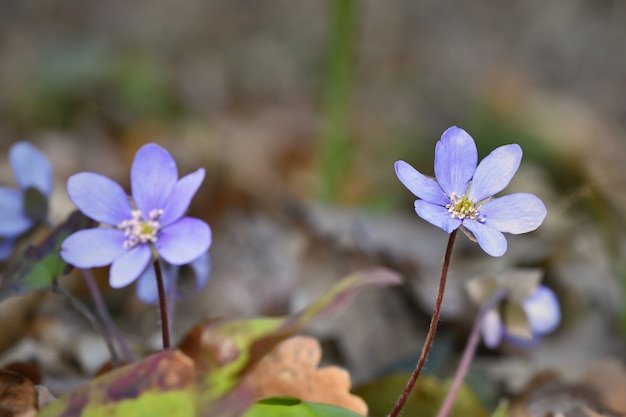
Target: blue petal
{"x": 543, "y": 311}
{"x": 495, "y": 172}
{"x": 99, "y": 197}
{"x": 178, "y": 202}
{"x": 6, "y": 248}
{"x": 436, "y": 215}
{"x": 422, "y": 186}
{"x": 514, "y": 213}
{"x": 490, "y": 240}
{"x": 147, "y": 290}
{"x": 455, "y": 160}
{"x": 13, "y": 221}
{"x": 521, "y": 342}
{"x": 93, "y": 247}
{"x": 183, "y": 241}
{"x": 201, "y": 268}
{"x": 492, "y": 329}
{"x": 129, "y": 266}
{"x": 31, "y": 168}
{"x": 152, "y": 177}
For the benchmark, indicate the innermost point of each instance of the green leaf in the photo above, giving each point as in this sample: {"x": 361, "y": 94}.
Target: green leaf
{"x": 233, "y": 347}
{"x": 156, "y": 386}
{"x": 38, "y": 266}
{"x": 425, "y": 400}
{"x": 502, "y": 410}
{"x": 293, "y": 407}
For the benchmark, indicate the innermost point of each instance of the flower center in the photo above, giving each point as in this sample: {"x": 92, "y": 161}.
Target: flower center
{"x": 139, "y": 229}
{"x": 462, "y": 207}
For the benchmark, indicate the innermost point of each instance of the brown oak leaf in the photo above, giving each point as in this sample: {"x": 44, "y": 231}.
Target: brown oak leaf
{"x": 291, "y": 370}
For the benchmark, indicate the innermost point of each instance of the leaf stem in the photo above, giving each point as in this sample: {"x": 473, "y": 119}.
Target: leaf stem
{"x": 165, "y": 326}
{"x": 95, "y": 323}
{"x": 103, "y": 312}
{"x": 430, "y": 336}
{"x": 468, "y": 353}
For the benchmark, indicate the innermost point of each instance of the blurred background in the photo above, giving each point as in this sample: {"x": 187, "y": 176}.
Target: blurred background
{"x": 298, "y": 111}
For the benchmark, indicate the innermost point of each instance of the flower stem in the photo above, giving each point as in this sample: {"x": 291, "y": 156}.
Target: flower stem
{"x": 103, "y": 312}
{"x": 165, "y": 326}
{"x": 430, "y": 336}
{"x": 468, "y": 353}
{"x": 95, "y": 323}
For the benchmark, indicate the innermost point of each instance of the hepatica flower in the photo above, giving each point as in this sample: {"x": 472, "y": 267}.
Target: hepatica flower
{"x": 543, "y": 316}
{"x": 135, "y": 229}
{"x": 461, "y": 194}
{"x": 21, "y": 209}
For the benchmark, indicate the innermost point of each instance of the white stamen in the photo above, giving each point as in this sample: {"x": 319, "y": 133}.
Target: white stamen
{"x": 139, "y": 230}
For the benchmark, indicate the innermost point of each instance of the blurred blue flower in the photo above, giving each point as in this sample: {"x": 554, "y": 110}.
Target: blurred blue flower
{"x": 22, "y": 209}
{"x": 461, "y": 194}
{"x": 147, "y": 286}
{"x": 542, "y": 312}
{"x": 153, "y": 223}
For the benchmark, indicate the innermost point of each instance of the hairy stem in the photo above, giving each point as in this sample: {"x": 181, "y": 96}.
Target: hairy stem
{"x": 468, "y": 353}
{"x": 165, "y": 325}
{"x": 103, "y": 312}
{"x": 430, "y": 337}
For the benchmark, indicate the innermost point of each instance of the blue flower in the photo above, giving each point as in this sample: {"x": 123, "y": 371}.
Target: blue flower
{"x": 147, "y": 286}
{"x": 21, "y": 209}
{"x": 152, "y": 222}
{"x": 542, "y": 312}
{"x": 461, "y": 194}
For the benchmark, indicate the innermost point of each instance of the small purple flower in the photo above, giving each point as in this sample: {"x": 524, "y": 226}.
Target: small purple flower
{"x": 543, "y": 314}
{"x": 461, "y": 194}
{"x": 152, "y": 222}
{"x": 147, "y": 285}
{"x": 21, "y": 209}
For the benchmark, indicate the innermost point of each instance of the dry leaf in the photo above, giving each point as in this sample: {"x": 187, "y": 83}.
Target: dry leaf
{"x": 291, "y": 370}
{"x": 608, "y": 377}
{"x": 546, "y": 396}
{"x": 18, "y": 397}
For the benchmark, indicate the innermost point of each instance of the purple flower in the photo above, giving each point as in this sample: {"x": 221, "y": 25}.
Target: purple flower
{"x": 147, "y": 285}
{"x": 152, "y": 222}
{"x": 21, "y": 209}
{"x": 461, "y": 194}
{"x": 542, "y": 312}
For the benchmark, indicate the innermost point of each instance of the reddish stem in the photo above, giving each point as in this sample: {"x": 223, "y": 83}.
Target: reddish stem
{"x": 430, "y": 337}
{"x": 165, "y": 327}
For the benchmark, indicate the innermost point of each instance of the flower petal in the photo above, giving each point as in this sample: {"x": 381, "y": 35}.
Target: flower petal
{"x": 129, "y": 266}
{"x": 178, "y": 202}
{"x": 6, "y": 248}
{"x": 183, "y": 241}
{"x": 492, "y": 329}
{"x": 201, "y": 268}
{"x": 147, "y": 290}
{"x": 153, "y": 176}
{"x": 99, "y": 197}
{"x": 543, "y": 311}
{"x": 13, "y": 221}
{"x": 514, "y": 213}
{"x": 422, "y": 186}
{"x": 455, "y": 160}
{"x": 436, "y": 215}
{"x": 93, "y": 247}
{"x": 495, "y": 172}
{"x": 490, "y": 240}
{"x": 30, "y": 167}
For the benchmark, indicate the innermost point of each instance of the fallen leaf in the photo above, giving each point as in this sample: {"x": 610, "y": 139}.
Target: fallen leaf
{"x": 291, "y": 370}
{"x": 18, "y": 397}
